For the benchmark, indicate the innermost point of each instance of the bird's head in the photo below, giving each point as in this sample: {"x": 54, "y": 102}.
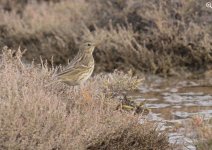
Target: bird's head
{"x": 88, "y": 47}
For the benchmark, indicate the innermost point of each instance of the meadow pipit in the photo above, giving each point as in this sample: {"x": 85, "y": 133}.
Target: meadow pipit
{"x": 81, "y": 67}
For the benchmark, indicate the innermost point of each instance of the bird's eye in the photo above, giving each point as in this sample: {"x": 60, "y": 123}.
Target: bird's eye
{"x": 89, "y": 44}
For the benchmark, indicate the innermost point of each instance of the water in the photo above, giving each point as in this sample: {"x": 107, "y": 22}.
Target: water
{"x": 173, "y": 102}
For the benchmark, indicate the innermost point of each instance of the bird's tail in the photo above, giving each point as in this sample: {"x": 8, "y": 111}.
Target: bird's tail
{"x": 48, "y": 84}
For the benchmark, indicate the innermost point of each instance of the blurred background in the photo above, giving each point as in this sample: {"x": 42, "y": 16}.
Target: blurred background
{"x": 167, "y": 37}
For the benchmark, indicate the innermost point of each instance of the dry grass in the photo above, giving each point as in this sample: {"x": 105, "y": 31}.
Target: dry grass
{"x": 117, "y": 140}
{"x": 162, "y": 37}
{"x": 36, "y": 116}
{"x": 203, "y": 129}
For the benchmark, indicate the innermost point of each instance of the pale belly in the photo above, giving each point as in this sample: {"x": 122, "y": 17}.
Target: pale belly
{"x": 87, "y": 76}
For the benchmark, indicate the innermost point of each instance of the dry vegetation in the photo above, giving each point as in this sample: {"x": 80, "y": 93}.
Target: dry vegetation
{"x": 203, "y": 130}
{"x": 36, "y": 116}
{"x": 162, "y": 37}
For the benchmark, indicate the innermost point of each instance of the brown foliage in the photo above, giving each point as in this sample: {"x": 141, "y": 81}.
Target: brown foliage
{"x": 36, "y": 116}
{"x": 160, "y": 37}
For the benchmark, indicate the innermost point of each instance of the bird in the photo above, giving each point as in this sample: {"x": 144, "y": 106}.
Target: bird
{"x": 81, "y": 67}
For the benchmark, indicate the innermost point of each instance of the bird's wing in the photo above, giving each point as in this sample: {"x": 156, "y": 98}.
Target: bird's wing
{"x": 73, "y": 69}
{"x": 72, "y": 65}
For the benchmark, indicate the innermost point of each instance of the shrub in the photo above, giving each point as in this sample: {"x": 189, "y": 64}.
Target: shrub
{"x": 160, "y": 37}
{"x": 37, "y": 115}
